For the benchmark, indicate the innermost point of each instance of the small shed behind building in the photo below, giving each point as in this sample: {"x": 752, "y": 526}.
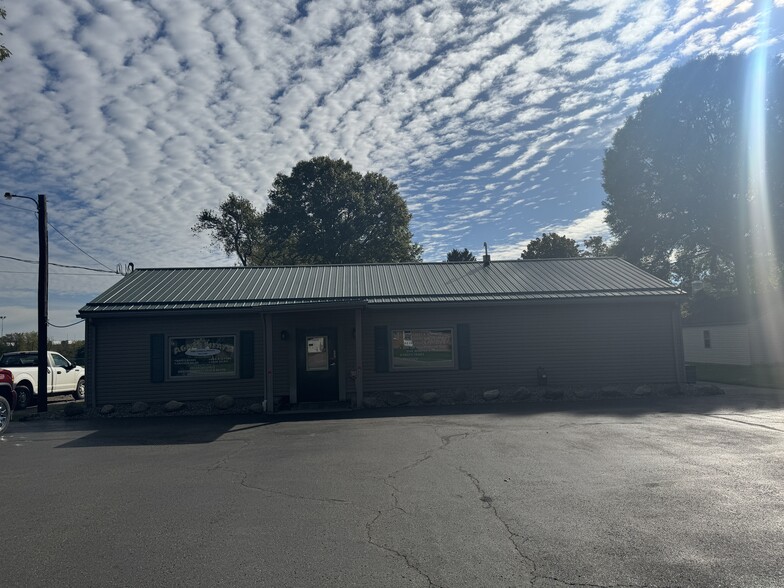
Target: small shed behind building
{"x": 732, "y": 331}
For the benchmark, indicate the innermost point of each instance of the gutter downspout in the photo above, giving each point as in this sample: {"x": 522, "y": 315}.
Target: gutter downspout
{"x": 268, "y": 375}
{"x": 91, "y": 351}
{"x": 677, "y": 344}
{"x": 358, "y": 380}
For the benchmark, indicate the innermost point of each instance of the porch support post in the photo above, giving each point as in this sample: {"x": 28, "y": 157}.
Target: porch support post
{"x": 91, "y": 349}
{"x": 358, "y": 382}
{"x": 268, "y": 381}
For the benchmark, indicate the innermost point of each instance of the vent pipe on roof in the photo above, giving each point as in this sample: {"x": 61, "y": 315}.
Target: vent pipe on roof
{"x": 124, "y": 271}
{"x": 486, "y": 258}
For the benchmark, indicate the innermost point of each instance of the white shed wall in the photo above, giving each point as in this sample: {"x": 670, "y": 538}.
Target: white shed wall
{"x": 767, "y": 340}
{"x": 729, "y": 345}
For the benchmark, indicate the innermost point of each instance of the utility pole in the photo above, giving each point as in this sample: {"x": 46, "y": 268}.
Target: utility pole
{"x": 43, "y": 304}
{"x": 2, "y": 323}
{"x": 43, "y": 297}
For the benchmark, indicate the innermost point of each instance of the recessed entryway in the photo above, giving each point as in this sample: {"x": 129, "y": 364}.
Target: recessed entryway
{"x": 317, "y": 365}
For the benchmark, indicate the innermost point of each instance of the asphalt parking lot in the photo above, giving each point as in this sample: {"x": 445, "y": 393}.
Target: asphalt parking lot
{"x": 672, "y": 492}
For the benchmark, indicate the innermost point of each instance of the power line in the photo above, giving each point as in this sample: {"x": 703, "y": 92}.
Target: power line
{"x": 18, "y": 207}
{"x": 64, "y": 326}
{"x": 3, "y": 271}
{"x": 60, "y": 233}
{"x": 92, "y": 269}
{"x": 79, "y": 248}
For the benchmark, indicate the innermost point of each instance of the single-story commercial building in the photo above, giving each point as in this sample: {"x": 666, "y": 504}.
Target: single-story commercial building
{"x": 381, "y": 334}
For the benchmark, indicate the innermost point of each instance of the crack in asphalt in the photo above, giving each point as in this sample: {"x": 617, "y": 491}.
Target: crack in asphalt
{"x": 395, "y": 552}
{"x": 222, "y": 461}
{"x": 221, "y": 465}
{"x": 487, "y": 503}
{"x": 394, "y": 494}
{"x": 445, "y": 440}
{"x": 586, "y": 585}
{"x": 245, "y": 484}
{"x": 724, "y": 418}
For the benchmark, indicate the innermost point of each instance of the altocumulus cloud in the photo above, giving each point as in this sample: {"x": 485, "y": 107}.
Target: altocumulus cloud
{"x": 134, "y": 116}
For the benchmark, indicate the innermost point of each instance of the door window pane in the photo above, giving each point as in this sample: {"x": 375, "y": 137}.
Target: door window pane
{"x": 317, "y": 354}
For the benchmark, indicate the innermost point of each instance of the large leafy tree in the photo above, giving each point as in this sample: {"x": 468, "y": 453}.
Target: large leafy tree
{"x": 4, "y": 52}
{"x": 551, "y": 245}
{"x": 677, "y": 179}
{"x": 236, "y": 227}
{"x": 458, "y": 255}
{"x": 325, "y": 212}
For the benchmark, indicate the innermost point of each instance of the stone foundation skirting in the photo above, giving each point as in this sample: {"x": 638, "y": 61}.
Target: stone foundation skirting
{"x": 224, "y": 404}
{"x": 533, "y": 394}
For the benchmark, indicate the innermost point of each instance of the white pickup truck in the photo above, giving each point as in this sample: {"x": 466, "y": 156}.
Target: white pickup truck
{"x": 63, "y": 377}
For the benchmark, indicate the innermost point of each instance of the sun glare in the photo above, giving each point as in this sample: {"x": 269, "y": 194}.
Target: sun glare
{"x": 769, "y": 304}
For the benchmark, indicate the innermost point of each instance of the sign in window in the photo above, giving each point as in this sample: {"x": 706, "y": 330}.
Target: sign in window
{"x": 195, "y": 357}
{"x": 422, "y": 348}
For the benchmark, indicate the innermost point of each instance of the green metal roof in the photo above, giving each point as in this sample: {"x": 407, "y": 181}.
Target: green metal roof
{"x": 372, "y": 284}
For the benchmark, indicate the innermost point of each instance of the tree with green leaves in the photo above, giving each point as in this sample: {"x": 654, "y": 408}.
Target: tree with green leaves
{"x": 324, "y": 212}
{"x": 595, "y": 246}
{"x": 550, "y": 246}
{"x": 677, "y": 175}
{"x": 236, "y": 227}
{"x": 458, "y": 255}
{"x": 4, "y": 52}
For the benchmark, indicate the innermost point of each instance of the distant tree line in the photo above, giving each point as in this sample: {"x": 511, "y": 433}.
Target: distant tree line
{"x": 548, "y": 246}
{"x": 28, "y": 341}
{"x": 553, "y": 245}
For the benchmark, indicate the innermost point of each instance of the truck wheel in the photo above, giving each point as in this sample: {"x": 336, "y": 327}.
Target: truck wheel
{"x": 23, "y": 397}
{"x": 5, "y": 414}
{"x": 79, "y": 392}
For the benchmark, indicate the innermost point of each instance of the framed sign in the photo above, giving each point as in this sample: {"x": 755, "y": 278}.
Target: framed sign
{"x": 200, "y": 357}
{"x": 423, "y": 348}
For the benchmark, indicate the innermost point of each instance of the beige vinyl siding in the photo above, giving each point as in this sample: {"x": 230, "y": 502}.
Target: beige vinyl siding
{"x": 729, "y": 344}
{"x": 122, "y": 358}
{"x": 574, "y": 343}
{"x": 766, "y": 336}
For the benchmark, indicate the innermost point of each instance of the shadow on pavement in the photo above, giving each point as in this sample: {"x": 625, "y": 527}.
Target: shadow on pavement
{"x": 157, "y": 430}
{"x": 206, "y": 429}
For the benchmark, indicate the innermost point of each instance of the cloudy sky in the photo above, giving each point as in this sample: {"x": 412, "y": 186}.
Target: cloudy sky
{"x": 492, "y": 117}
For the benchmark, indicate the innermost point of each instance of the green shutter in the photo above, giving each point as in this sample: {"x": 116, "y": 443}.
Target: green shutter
{"x": 157, "y": 358}
{"x": 464, "y": 346}
{"x": 246, "y": 354}
{"x": 382, "y": 349}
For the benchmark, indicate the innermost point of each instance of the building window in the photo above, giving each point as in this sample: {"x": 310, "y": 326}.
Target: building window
{"x": 706, "y": 339}
{"x": 423, "y": 349}
{"x": 202, "y": 357}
